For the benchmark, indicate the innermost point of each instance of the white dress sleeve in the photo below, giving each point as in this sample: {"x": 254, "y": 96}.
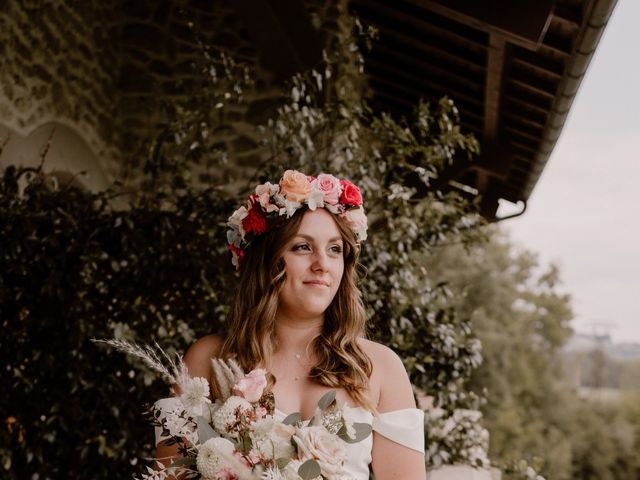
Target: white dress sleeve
{"x": 405, "y": 427}
{"x": 165, "y": 405}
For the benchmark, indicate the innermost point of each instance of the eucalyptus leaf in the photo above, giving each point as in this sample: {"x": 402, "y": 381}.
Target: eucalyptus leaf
{"x": 362, "y": 431}
{"x": 282, "y": 462}
{"x": 292, "y": 419}
{"x": 327, "y": 399}
{"x": 205, "y": 432}
{"x": 247, "y": 444}
{"x": 183, "y": 462}
{"x": 309, "y": 470}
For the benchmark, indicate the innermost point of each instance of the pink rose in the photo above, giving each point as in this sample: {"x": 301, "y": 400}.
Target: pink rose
{"x": 350, "y": 194}
{"x": 252, "y": 385}
{"x": 327, "y": 449}
{"x": 295, "y": 186}
{"x": 330, "y": 187}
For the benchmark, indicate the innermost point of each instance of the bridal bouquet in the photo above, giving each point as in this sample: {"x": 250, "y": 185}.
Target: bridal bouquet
{"x": 237, "y": 437}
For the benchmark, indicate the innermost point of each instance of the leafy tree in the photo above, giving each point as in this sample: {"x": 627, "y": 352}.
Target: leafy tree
{"x": 522, "y": 320}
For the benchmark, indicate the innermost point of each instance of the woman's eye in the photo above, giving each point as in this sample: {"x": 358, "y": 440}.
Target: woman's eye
{"x": 336, "y": 249}
{"x": 302, "y": 246}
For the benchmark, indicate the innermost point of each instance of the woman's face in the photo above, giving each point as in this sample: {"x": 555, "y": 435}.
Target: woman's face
{"x": 314, "y": 266}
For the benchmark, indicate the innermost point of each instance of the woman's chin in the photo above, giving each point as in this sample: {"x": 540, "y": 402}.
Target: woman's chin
{"x": 314, "y": 309}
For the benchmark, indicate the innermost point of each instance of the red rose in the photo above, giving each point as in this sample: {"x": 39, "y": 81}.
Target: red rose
{"x": 255, "y": 222}
{"x": 350, "y": 194}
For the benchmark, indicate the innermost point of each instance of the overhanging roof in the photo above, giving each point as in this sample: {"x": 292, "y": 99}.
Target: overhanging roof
{"x": 512, "y": 68}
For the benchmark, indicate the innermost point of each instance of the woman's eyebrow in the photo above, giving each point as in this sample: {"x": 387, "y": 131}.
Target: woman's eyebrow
{"x": 311, "y": 239}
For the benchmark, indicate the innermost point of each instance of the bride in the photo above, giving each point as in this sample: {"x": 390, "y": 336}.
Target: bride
{"x": 298, "y": 313}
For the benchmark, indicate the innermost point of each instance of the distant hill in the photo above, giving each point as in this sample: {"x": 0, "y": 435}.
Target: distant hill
{"x": 596, "y": 363}
{"x": 581, "y": 342}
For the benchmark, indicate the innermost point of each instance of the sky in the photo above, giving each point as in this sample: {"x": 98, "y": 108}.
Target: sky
{"x": 584, "y": 212}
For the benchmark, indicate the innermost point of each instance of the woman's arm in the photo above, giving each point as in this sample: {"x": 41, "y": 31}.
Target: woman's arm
{"x": 198, "y": 361}
{"x": 390, "y": 460}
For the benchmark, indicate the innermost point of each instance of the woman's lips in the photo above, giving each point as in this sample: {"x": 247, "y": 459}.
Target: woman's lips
{"x": 316, "y": 283}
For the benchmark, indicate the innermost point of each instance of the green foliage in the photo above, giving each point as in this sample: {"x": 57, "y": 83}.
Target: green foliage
{"x": 536, "y": 423}
{"x": 74, "y": 267}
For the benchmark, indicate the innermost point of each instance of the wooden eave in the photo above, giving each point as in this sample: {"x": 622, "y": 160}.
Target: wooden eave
{"x": 512, "y": 68}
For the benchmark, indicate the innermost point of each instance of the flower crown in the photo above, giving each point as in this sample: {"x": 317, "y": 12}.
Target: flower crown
{"x": 271, "y": 205}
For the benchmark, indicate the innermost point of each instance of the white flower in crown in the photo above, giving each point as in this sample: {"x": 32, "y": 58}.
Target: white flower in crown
{"x": 195, "y": 395}
{"x": 315, "y": 200}
{"x": 288, "y": 207}
{"x": 235, "y": 220}
{"x": 358, "y": 222}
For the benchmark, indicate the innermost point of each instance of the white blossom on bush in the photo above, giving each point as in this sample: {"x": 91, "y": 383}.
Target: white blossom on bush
{"x": 456, "y": 438}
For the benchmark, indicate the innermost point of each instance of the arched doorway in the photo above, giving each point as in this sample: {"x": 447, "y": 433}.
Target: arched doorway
{"x": 66, "y": 155}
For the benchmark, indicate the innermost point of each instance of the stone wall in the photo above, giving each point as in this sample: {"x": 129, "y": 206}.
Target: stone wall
{"x": 59, "y": 67}
{"x": 112, "y": 70}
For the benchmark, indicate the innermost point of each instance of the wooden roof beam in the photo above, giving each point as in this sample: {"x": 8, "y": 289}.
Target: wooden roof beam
{"x": 283, "y": 34}
{"x": 493, "y": 86}
{"x": 520, "y": 23}
{"x": 386, "y": 12}
{"x": 443, "y": 57}
{"x": 421, "y": 71}
{"x": 404, "y": 91}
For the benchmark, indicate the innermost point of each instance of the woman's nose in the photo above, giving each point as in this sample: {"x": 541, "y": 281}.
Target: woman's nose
{"x": 320, "y": 260}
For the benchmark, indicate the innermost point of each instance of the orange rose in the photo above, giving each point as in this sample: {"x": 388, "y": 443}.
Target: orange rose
{"x": 295, "y": 186}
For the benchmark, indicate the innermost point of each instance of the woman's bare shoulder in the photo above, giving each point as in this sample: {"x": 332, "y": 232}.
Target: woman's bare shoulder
{"x": 198, "y": 357}
{"x": 390, "y": 375}
{"x": 378, "y": 353}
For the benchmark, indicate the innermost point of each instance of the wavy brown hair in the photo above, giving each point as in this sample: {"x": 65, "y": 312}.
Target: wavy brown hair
{"x": 251, "y": 328}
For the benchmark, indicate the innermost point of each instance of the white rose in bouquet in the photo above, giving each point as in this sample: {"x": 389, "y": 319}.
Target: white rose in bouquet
{"x": 273, "y": 439}
{"x": 318, "y": 444}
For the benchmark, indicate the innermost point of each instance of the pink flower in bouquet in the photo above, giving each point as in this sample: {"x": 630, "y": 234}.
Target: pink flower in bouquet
{"x": 330, "y": 187}
{"x": 252, "y": 386}
{"x": 319, "y": 444}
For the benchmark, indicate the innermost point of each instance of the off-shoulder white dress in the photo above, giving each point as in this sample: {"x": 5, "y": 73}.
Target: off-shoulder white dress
{"x": 405, "y": 427}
